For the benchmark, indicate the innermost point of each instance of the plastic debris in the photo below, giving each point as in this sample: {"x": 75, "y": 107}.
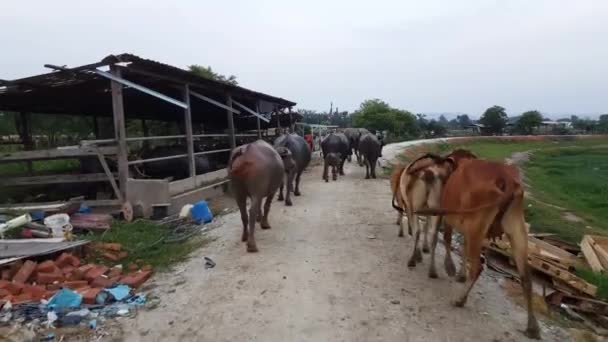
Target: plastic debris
{"x": 51, "y": 317}
{"x": 201, "y": 213}
{"x": 65, "y": 298}
{"x": 93, "y": 324}
{"x": 185, "y": 211}
{"x": 70, "y": 320}
{"x": 119, "y": 292}
{"x": 48, "y": 337}
{"x": 209, "y": 263}
{"x": 84, "y": 209}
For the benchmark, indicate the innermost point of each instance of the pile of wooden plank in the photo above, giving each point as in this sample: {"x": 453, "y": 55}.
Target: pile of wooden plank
{"x": 595, "y": 249}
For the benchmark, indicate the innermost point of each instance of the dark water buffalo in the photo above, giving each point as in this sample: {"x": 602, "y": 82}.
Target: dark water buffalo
{"x": 177, "y": 168}
{"x": 333, "y": 161}
{"x": 256, "y": 171}
{"x": 353, "y": 135}
{"x": 335, "y": 143}
{"x": 301, "y": 154}
{"x": 370, "y": 150}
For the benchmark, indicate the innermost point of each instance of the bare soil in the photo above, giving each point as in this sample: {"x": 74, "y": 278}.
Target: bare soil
{"x": 331, "y": 269}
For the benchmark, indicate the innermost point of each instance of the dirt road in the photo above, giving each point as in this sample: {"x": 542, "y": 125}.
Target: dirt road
{"x": 331, "y": 269}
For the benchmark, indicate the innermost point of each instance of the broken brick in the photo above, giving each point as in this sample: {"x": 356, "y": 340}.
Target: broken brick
{"x": 46, "y": 267}
{"x": 111, "y": 256}
{"x": 6, "y": 274}
{"x": 116, "y": 247}
{"x": 25, "y": 272}
{"x": 15, "y": 267}
{"x": 54, "y": 287}
{"x": 123, "y": 254}
{"x": 34, "y": 291}
{"x": 147, "y": 268}
{"x": 102, "y": 282}
{"x": 76, "y": 284}
{"x": 115, "y": 271}
{"x": 66, "y": 259}
{"x": 49, "y": 278}
{"x": 95, "y": 272}
{"x": 136, "y": 279}
{"x": 22, "y": 298}
{"x": 4, "y": 293}
{"x": 14, "y": 288}
{"x": 89, "y": 296}
{"x": 4, "y": 283}
{"x": 67, "y": 269}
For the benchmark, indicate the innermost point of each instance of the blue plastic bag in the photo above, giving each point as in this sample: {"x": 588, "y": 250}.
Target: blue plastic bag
{"x": 201, "y": 213}
{"x": 65, "y": 298}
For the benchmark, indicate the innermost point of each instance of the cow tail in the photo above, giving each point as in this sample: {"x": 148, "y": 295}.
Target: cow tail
{"x": 395, "y": 206}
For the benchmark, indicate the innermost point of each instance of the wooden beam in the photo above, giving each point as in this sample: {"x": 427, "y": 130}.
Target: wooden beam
{"x": 230, "y": 122}
{"x": 257, "y": 109}
{"x": 55, "y": 179}
{"x": 110, "y": 176}
{"x": 188, "y": 126}
{"x": 120, "y": 131}
{"x": 70, "y": 152}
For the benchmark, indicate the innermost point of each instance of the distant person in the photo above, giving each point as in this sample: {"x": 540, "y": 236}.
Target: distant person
{"x": 309, "y": 141}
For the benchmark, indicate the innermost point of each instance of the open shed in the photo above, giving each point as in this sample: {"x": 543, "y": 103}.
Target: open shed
{"x": 126, "y": 87}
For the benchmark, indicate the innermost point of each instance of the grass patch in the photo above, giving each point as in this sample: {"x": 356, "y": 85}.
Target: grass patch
{"x": 40, "y": 167}
{"x": 598, "y": 279}
{"x": 144, "y": 241}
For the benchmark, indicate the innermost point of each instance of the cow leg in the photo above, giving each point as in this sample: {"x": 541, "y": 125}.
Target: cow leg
{"x": 265, "y": 224}
{"x": 416, "y": 254}
{"x": 473, "y": 251}
{"x": 516, "y": 232}
{"x": 433, "y": 224}
{"x": 241, "y": 201}
{"x": 297, "y": 190}
{"x": 290, "y": 177}
{"x": 448, "y": 262}
{"x": 256, "y": 202}
{"x": 462, "y": 273}
{"x": 325, "y": 165}
{"x": 425, "y": 243}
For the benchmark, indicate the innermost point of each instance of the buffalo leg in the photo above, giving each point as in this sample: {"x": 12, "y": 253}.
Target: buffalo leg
{"x": 290, "y": 177}
{"x": 373, "y": 168}
{"x": 448, "y": 262}
{"x": 297, "y": 190}
{"x": 334, "y": 173}
{"x": 366, "y": 168}
{"x": 241, "y": 201}
{"x": 265, "y": 224}
{"x": 341, "y": 169}
{"x": 281, "y": 192}
{"x": 253, "y": 212}
{"x": 325, "y": 166}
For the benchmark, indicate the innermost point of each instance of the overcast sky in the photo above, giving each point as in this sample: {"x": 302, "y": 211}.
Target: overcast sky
{"x": 424, "y": 56}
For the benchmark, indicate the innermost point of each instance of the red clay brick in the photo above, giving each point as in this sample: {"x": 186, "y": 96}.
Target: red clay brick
{"x": 116, "y": 247}
{"x": 88, "y": 297}
{"x": 54, "y": 287}
{"x": 67, "y": 259}
{"x": 76, "y": 284}
{"x": 46, "y": 267}
{"x": 115, "y": 271}
{"x": 85, "y": 268}
{"x": 67, "y": 269}
{"x": 132, "y": 267}
{"x": 147, "y": 268}
{"x": 25, "y": 272}
{"x": 34, "y": 291}
{"x": 136, "y": 279}
{"x": 4, "y": 293}
{"x": 96, "y": 272}
{"x": 6, "y": 274}
{"x": 15, "y": 267}
{"x": 111, "y": 256}
{"x": 102, "y": 282}
{"x": 123, "y": 254}
{"x": 14, "y": 288}
{"x": 49, "y": 278}
{"x": 22, "y": 298}
{"x": 4, "y": 283}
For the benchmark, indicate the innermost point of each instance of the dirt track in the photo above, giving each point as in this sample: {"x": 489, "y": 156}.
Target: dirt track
{"x": 331, "y": 269}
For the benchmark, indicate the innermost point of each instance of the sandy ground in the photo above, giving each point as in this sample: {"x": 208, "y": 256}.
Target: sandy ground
{"x": 331, "y": 269}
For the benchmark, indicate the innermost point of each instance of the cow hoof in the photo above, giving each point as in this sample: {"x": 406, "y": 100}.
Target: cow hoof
{"x": 459, "y": 303}
{"x": 533, "y": 333}
{"x": 433, "y": 274}
{"x": 296, "y": 193}
{"x": 244, "y": 238}
{"x": 288, "y": 203}
{"x": 374, "y": 176}
{"x": 461, "y": 278}
{"x": 411, "y": 263}
{"x": 280, "y": 199}
{"x": 327, "y": 180}
{"x": 265, "y": 226}
{"x": 252, "y": 248}
{"x": 425, "y": 249}
{"x": 400, "y": 233}
{"x": 418, "y": 256}
{"x": 450, "y": 269}
{"x": 366, "y": 177}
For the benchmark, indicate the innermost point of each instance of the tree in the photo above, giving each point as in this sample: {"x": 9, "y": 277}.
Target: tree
{"x": 208, "y": 73}
{"x": 603, "y": 123}
{"x": 378, "y": 115}
{"x": 443, "y": 121}
{"x": 528, "y": 121}
{"x": 464, "y": 121}
{"x": 494, "y": 119}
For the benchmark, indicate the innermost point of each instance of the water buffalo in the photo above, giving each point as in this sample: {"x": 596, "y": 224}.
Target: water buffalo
{"x": 369, "y": 150}
{"x": 177, "y": 168}
{"x": 256, "y": 171}
{"x": 301, "y": 155}
{"x": 333, "y": 161}
{"x": 335, "y": 143}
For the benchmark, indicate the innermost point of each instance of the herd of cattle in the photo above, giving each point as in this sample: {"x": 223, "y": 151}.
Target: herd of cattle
{"x": 478, "y": 198}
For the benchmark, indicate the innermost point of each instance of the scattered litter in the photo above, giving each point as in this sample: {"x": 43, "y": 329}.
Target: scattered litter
{"x": 65, "y": 298}
{"x": 201, "y": 213}
{"x": 51, "y": 317}
{"x": 395, "y": 301}
{"x": 119, "y": 292}
{"x": 49, "y": 337}
{"x": 60, "y": 225}
{"x": 209, "y": 263}
{"x": 185, "y": 211}
{"x": 14, "y": 223}
{"x": 93, "y": 324}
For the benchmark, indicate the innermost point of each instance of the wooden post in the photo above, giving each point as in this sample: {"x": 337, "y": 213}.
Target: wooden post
{"x": 189, "y": 140}
{"x": 230, "y": 123}
{"x": 257, "y": 109}
{"x": 120, "y": 132}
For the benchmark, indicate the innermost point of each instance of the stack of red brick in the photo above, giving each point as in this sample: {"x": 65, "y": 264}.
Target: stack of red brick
{"x": 30, "y": 281}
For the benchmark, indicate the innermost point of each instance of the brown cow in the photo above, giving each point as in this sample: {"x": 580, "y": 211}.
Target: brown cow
{"x": 398, "y": 203}
{"x": 420, "y": 187}
{"x": 485, "y": 197}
